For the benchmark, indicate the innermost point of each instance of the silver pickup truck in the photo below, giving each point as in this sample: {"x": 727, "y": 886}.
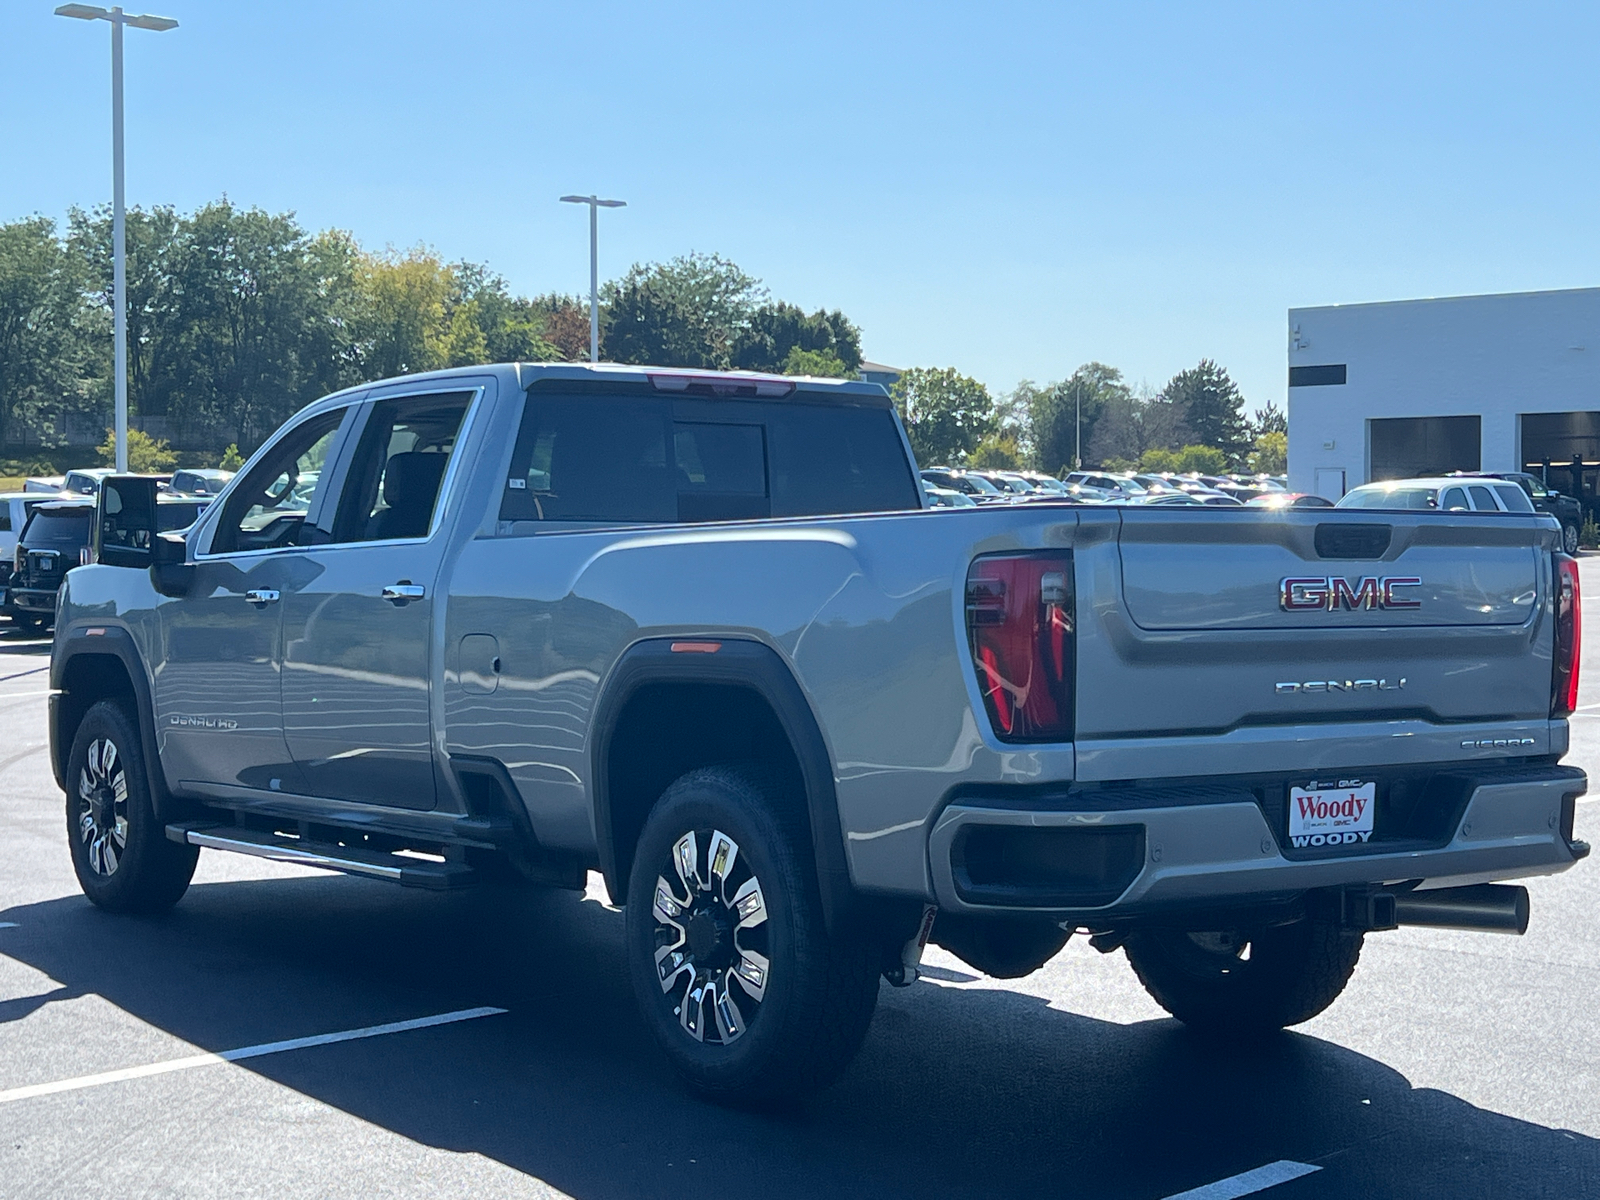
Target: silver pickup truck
{"x": 699, "y": 633}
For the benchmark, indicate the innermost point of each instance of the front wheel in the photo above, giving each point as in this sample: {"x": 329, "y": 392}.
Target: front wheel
{"x": 1569, "y": 539}
{"x": 120, "y": 851}
{"x": 1245, "y": 982}
{"x": 737, "y": 977}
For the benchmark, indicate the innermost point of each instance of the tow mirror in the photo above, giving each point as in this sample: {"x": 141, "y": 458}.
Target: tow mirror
{"x": 171, "y": 572}
{"x": 125, "y": 521}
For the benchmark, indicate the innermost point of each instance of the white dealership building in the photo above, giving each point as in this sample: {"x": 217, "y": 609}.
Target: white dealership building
{"x": 1416, "y": 387}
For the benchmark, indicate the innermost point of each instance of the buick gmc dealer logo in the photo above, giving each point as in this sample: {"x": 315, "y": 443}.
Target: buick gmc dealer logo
{"x": 1330, "y": 593}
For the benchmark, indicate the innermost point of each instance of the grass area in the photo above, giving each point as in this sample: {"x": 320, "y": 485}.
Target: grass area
{"x": 11, "y": 483}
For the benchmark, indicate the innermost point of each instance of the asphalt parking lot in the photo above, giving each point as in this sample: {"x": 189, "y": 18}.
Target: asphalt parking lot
{"x": 1456, "y": 1065}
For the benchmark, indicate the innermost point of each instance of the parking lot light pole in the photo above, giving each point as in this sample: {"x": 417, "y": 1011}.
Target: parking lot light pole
{"x": 595, "y": 205}
{"x": 119, "y": 233}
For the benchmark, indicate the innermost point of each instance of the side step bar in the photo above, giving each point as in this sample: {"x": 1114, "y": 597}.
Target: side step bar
{"x": 404, "y": 870}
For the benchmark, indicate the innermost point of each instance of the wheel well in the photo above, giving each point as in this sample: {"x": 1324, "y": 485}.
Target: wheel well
{"x": 667, "y": 729}
{"x": 86, "y": 680}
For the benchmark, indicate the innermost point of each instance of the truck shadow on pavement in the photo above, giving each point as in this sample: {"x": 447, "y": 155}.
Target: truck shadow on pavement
{"x": 968, "y": 1092}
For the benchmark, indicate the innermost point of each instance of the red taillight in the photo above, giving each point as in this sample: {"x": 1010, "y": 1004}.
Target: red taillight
{"x": 1020, "y": 622}
{"x": 1569, "y": 637}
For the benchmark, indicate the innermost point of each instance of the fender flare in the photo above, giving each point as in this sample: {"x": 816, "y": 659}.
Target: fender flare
{"x": 739, "y": 663}
{"x": 114, "y": 641}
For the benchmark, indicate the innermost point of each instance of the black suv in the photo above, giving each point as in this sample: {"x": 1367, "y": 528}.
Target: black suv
{"x": 56, "y": 539}
{"x": 1547, "y": 500}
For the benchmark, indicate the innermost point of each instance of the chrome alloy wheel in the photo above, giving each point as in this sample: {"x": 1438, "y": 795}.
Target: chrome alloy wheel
{"x": 103, "y": 806}
{"x": 711, "y": 931}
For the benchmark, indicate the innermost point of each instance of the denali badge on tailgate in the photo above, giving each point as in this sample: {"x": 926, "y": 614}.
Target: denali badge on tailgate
{"x": 1333, "y": 592}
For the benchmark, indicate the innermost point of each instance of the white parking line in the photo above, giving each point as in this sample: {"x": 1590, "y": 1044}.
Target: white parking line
{"x": 1248, "y": 1183}
{"x": 206, "y": 1060}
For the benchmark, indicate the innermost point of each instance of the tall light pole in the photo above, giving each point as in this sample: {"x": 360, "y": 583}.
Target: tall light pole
{"x": 595, "y": 205}
{"x": 119, "y": 232}
{"x": 1077, "y": 425}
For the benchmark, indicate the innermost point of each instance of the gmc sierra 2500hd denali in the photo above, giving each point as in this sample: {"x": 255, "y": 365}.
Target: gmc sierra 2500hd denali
{"x": 698, "y": 632}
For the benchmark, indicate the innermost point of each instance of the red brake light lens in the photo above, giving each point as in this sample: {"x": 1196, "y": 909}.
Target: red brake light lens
{"x": 1569, "y": 637}
{"x": 1020, "y": 624}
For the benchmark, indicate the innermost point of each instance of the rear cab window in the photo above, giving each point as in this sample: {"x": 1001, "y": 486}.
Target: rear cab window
{"x": 632, "y": 456}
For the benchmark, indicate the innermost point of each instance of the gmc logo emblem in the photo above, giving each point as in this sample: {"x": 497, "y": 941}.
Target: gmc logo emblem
{"x": 1330, "y": 593}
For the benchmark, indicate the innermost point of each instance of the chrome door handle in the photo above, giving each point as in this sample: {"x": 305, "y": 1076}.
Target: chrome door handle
{"x": 404, "y": 593}
{"x": 259, "y": 596}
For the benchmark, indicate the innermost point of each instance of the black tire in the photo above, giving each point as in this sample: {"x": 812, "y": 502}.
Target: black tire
{"x": 1243, "y": 984}
{"x": 800, "y": 1028}
{"x": 120, "y": 851}
{"x": 1569, "y": 539}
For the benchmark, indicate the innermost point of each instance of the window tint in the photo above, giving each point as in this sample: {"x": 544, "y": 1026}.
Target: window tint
{"x": 5, "y": 517}
{"x": 644, "y": 459}
{"x": 597, "y": 458}
{"x": 1483, "y": 498}
{"x": 59, "y": 529}
{"x": 171, "y": 517}
{"x": 1454, "y": 500}
{"x": 394, "y": 481}
{"x": 1514, "y": 498}
{"x": 269, "y": 509}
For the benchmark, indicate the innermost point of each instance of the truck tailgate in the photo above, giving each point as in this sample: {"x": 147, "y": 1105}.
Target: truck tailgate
{"x": 1217, "y": 621}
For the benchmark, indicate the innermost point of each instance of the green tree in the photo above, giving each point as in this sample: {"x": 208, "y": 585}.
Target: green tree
{"x": 1212, "y": 407}
{"x": 1271, "y": 454}
{"x": 997, "y": 452}
{"x": 1206, "y": 460}
{"x": 694, "y": 311}
{"x": 775, "y": 332}
{"x": 146, "y": 455}
{"x": 231, "y": 459}
{"x": 1063, "y": 410}
{"x": 1269, "y": 418}
{"x": 946, "y": 414}
{"x": 47, "y": 358}
{"x": 823, "y": 363}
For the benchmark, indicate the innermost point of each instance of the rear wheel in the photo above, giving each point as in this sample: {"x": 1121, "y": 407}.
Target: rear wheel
{"x": 120, "y": 851}
{"x": 734, "y": 971}
{"x": 1245, "y": 982}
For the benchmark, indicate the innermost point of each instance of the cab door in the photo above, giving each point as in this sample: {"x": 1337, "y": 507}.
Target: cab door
{"x": 357, "y": 666}
{"x": 219, "y": 715}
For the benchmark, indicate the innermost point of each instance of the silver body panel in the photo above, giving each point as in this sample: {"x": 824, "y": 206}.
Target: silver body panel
{"x": 1181, "y": 647}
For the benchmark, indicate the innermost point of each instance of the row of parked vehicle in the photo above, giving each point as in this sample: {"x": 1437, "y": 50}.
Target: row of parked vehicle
{"x": 1459, "y": 491}
{"x": 46, "y": 529}
{"x": 956, "y": 488}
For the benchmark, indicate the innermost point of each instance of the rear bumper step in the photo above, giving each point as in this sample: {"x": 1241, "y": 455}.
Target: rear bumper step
{"x": 408, "y": 872}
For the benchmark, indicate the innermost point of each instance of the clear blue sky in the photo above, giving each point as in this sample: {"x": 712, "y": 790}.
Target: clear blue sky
{"x": 1009, "y": 189}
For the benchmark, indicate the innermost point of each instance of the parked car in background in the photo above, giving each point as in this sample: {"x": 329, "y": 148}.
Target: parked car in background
{"x": 199, "y": 481}
{"x": 1545, "y": 499}
{"x": 86, "y": 481}
{"x": 14, "y": 509}
{"x": 968, "y": 483}
{"x": 40, "y": 484}
{"x": 1115, "y": 487}
{"x": 56, "y": 538}
{"x": 1445, "y": 493}
{"x": 940, "y": 497}
{"x": 1289, "y": 500}
{"x": 51, "y": 543}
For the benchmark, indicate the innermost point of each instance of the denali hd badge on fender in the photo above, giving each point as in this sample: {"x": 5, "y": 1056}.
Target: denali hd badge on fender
{"x": 1333, "y": 592}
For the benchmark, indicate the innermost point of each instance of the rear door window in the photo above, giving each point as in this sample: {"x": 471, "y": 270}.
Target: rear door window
{"x": 646, "y": 459}
{"x": 1483, "y": 498}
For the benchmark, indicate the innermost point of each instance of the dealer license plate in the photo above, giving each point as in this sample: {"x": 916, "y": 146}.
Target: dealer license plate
{"x": 1329, "y": 814}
